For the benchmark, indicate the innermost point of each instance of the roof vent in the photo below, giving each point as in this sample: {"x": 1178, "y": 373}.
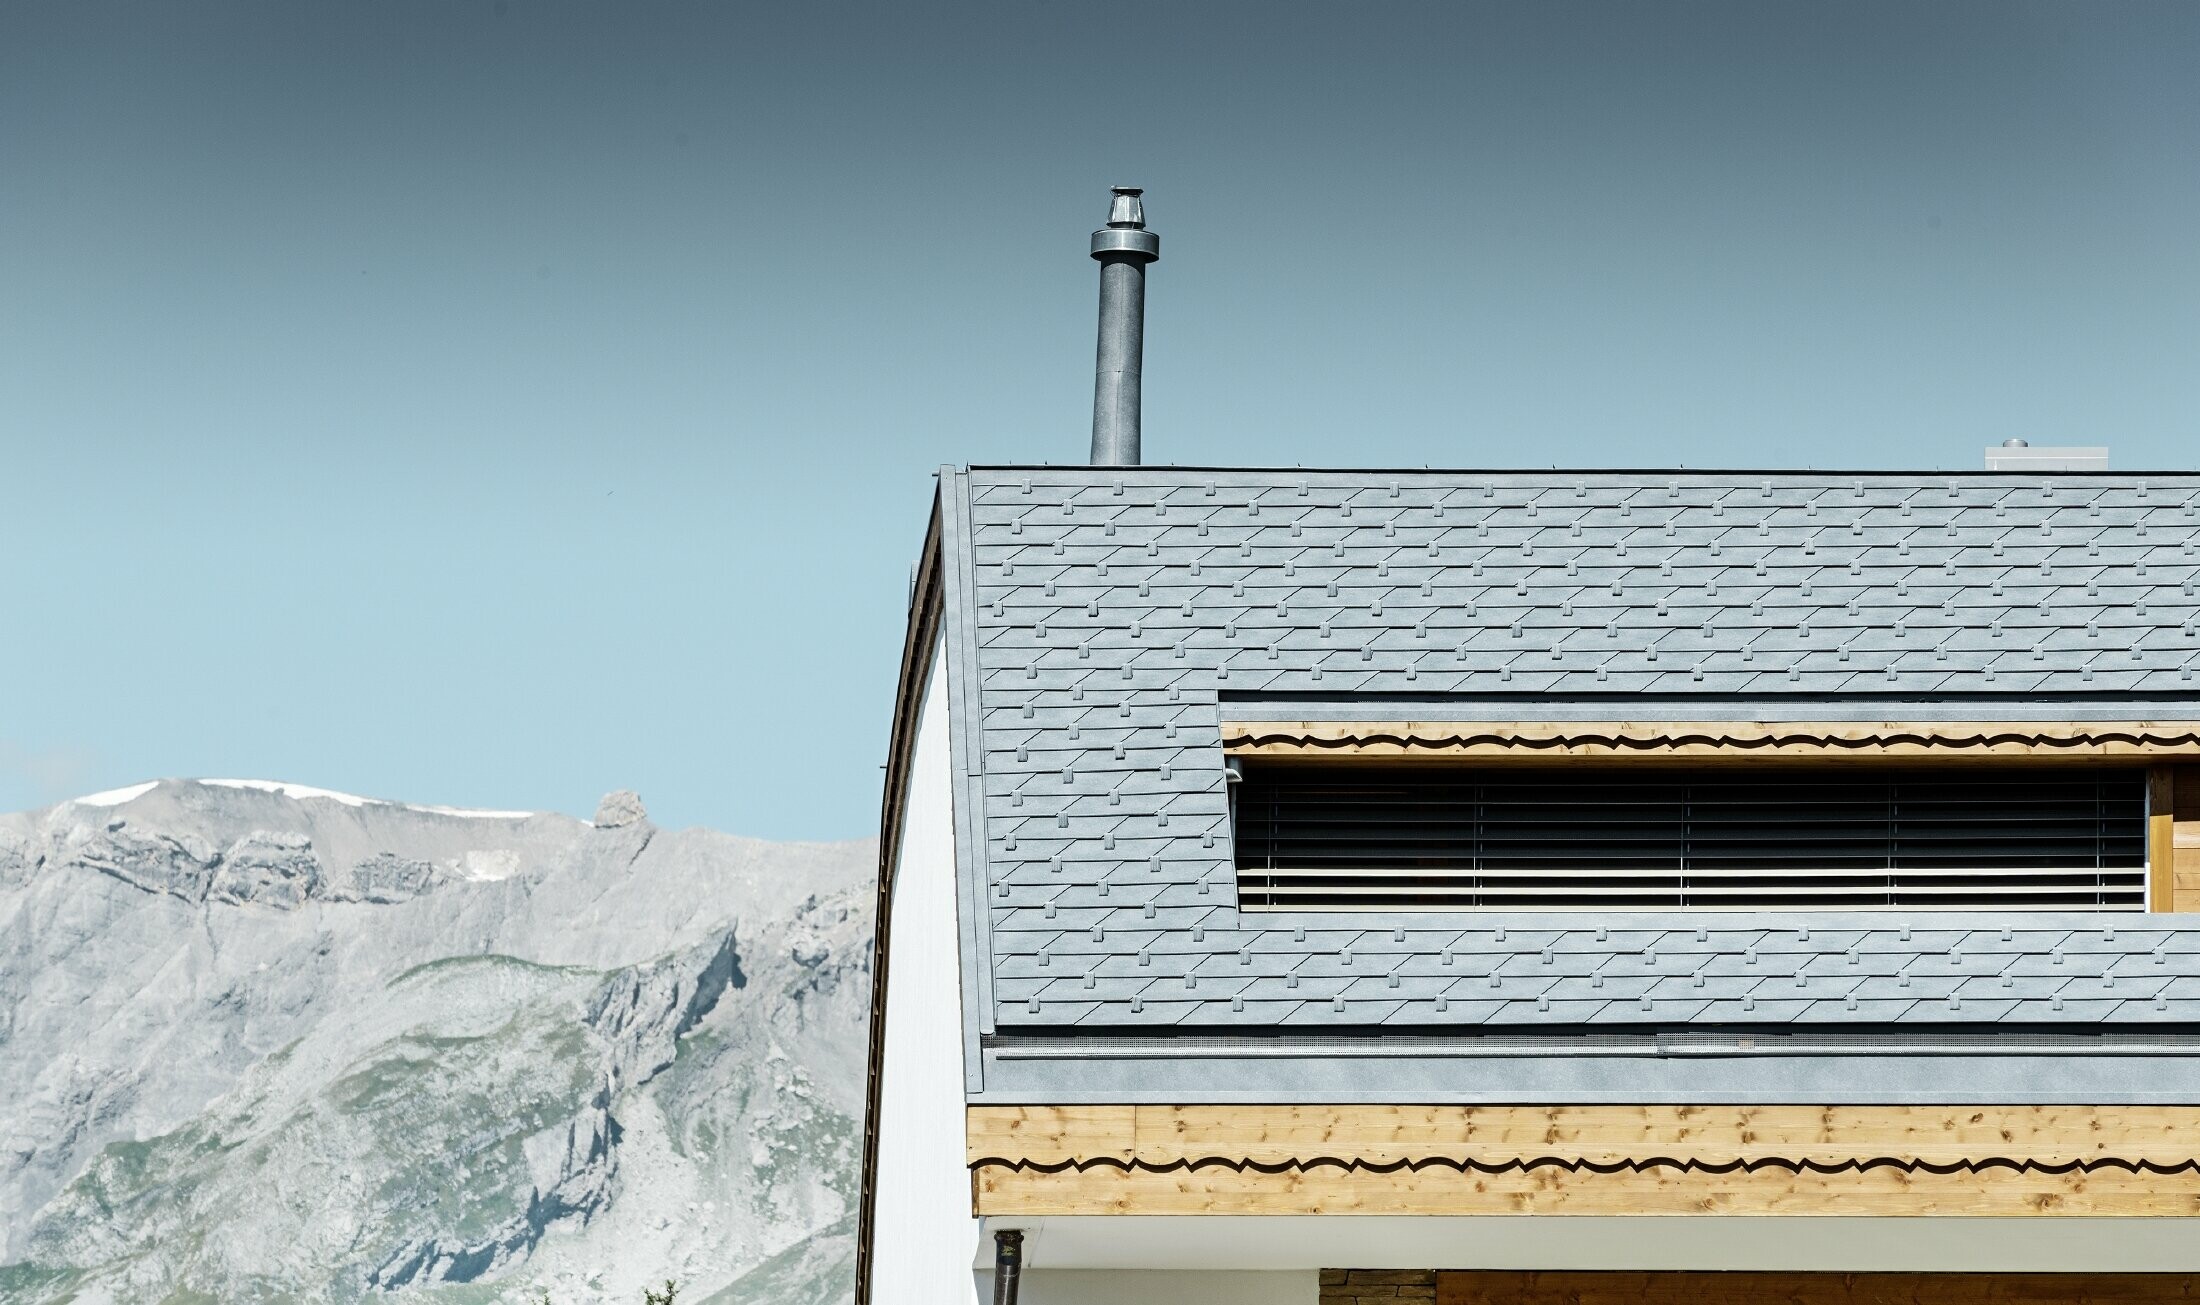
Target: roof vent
{"x": 2016, "y": 455}
{"x": 1124, "y": 247}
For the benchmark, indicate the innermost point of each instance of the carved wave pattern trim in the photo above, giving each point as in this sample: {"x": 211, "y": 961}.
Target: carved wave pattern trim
{"x": 1574, "y": 738}
{"x": 1580, "y": 1164}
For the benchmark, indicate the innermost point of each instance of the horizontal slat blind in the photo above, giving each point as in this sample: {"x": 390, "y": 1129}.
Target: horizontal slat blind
{"x": 1434, "y": 838}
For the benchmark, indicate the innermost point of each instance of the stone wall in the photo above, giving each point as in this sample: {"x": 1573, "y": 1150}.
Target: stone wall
{"x": 1377, "y": 1286}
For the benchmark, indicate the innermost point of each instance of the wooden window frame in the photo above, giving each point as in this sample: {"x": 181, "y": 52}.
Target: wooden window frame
{"x": 2165, "y": 747}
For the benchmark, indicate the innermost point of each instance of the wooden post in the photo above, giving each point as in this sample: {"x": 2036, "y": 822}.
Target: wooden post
{"x": 2161, "y": 839}
{"x": 2185, "y": 843}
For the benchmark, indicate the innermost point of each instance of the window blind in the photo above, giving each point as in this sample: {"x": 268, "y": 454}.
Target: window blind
{"x": 1361, "y": 837}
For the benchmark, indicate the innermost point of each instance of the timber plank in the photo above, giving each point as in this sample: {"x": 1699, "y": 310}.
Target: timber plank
{"x": 2161, "y": 838}
{"x": 1160, "y": 1135}
{"x": 2185, "y": 841}
{"x": 1052, "y": 1134}
{"x": 2185, "y": 850}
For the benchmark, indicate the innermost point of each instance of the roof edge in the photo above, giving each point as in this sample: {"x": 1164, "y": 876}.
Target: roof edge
{"x": 1151, "y": 469}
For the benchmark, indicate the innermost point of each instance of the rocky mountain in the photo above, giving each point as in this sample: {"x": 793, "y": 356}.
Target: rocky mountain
{"x": 265, "y": 1043}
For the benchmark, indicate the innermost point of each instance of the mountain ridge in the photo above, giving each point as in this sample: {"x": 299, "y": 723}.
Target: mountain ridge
{"x": 506, "y": 1043}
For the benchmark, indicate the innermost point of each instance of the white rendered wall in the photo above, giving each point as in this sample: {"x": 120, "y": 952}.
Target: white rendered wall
{"x": 923, "y": 1236}
{"x": 1835, "y": 1244}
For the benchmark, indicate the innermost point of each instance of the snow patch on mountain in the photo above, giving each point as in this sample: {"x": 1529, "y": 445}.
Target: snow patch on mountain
{"x": 305, "y": 791}
{"x": 115, "y": 797}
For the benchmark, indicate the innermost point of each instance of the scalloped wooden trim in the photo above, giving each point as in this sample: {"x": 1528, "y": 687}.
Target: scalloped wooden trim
{"x": 1814, "y": 740}
{"x": 1552, "y": 1187}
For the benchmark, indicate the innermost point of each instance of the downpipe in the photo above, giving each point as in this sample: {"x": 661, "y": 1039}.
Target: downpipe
{"x": 1008, "y": 1265}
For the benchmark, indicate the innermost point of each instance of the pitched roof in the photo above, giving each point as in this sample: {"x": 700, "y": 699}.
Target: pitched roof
{"x": 1100, "y": 620}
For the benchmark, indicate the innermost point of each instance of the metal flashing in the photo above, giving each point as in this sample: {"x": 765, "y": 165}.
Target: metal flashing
{"x": 1954, "y": 1077}
{"x": 967, "y": 756}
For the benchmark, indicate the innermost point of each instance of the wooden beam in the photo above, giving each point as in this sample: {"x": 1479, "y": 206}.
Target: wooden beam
{"x": 1579, "y": 1287}
{"x": 1053, "y": 1134}
{"x": 1161, "y": 1135}
{"x": 1557, "y": 1189}
{"x": 2161, "y": 839}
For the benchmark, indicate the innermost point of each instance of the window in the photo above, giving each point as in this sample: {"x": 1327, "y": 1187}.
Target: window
{"x": 1312, "y": 836}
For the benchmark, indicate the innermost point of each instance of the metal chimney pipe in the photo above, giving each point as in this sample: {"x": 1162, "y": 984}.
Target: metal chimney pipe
{"x": 1124, "y": 247}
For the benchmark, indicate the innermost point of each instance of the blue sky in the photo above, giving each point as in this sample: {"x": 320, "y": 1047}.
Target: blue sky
{"x": 498, "y": 403}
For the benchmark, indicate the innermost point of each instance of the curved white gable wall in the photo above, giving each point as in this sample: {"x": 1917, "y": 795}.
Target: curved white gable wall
{"x": 923, "y": 1236}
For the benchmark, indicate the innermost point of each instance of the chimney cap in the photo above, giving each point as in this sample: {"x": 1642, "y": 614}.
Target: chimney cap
{"x": 1125, "y": 235}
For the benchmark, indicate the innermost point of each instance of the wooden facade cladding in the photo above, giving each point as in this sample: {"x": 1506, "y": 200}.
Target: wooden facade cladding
{"x": 1381, "y": 1135}
{"x": 1857, "y": 1160}
{"x": 1593, "y": 1287}
{"x": 1492, "y": 1287}
{"x": 1376, "y": 1286}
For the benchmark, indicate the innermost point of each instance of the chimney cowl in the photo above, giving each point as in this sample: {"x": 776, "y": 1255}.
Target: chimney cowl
{"x": 1126, "y": 234}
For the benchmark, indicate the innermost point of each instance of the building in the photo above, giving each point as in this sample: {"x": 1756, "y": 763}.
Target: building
{"x": 1345, "y": 886}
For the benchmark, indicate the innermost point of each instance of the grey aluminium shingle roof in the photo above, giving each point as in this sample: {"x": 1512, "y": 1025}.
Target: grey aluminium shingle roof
{"x": 1101, "y": 620}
